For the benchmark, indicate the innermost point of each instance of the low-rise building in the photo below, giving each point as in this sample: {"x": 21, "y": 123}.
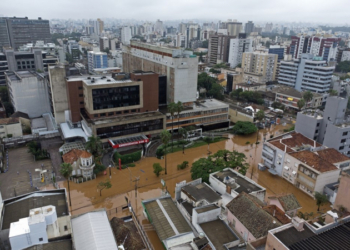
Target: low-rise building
{"x": 230, "y": 184}
{"x": 10, "y": 127}
{"x": 251, "y": 86}
{"x": 288, "y": 203}
{"x": 81, "y": 162}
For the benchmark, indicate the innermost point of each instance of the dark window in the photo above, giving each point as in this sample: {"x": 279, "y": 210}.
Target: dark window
{"x": 80, "y": 95}
{"x": 40, "y": 239}
{"x": 315, "y": 138}
{"x": 345, "y": 133}
{"x": 118, "y": 112}
{"x": 102, "y": 114}
{"x": 342, "y": 147}
{"x": 65, "y": 228}
{"x": 95, "y": 115}
{"x": 343, "y": 140}
{"x": 316, "y": 131}
{"x": 133, "y": 110}
{"x": 110, "y": 113}
{"x": 126, "y": 111}
{"x": 23, "y": 62}
{"x": 130, "y": 128}
{"x": 115, "y": 97}
{"x": 81, "y": 102}
{"x": 348, "y": 152}
{"x": 80, "y": 87}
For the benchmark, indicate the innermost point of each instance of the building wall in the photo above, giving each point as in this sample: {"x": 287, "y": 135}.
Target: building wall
{"x": 30, "y": 95}
{"x": 272, "y": 243}
{"x": 14, "y": 129}
{"x": 342, "y": 198}
{"x": 59, "y": 95}
{"x": 199, "y": 218}
{"x": 75, "y": 99}
{"x": 345, "y": 56}
{"x": 326, "y": 178}
{"x": 236, "y": 116}
{"x": 239, "y": 227}
{"x": 293, "y": 165}
{"x": 307, "y": 125}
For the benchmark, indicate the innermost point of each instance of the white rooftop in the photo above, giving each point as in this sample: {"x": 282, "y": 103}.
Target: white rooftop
{"x": 72, "y": 132}
{"x": 92, "y": 231}
{"x": 19, "y": 227}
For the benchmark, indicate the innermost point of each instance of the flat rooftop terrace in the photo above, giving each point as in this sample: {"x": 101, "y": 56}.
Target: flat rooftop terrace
{"x": 219, "y": 233}
{"x": 17, "y": 208}
{"x": 290, "y": 236}
{"x": 206, "y": 209}
{"x": 240, "y": 184}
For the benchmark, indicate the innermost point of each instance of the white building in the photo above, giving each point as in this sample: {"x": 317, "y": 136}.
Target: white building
{"x": 29, "y": 92}
{"x": 126, "y": 35}
{"x": 237, "y": 47}
{"x": 181, "y": 40}
{"x": 345, "y": 56}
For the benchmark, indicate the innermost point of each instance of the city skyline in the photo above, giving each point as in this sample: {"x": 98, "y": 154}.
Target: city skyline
{"x": 267, "y": 11}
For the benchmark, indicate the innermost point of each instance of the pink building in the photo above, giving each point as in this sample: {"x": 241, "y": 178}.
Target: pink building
{"x": 288, "y": 203}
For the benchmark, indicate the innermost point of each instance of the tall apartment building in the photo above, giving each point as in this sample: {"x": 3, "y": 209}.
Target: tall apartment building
{"x": 218, "y": 49}
{"x": 121, "y": 107}
{"x": 259, "y": 67}
{"x": 181, "y": 40}
{"x": 97, "y": 60}
{"x": 178, "y": 65}
{"x": 330, "y": 127}
{"x": 126, "y": 35}
{"x": 104, "y": 43}
{"x": 307, "y": 73}
{"x": 15, "y": 31}
{"x": 100, "y": 25}
{"x": 193, "y": 32}
{"x": 249, "y": 27}
{"x": 325, "y": 47}
{"x": 279, "y": 50}
{"x": 233, "y": 27}
{"x": 35, "y": 59}
{"x": 268, "y": 27}
{"x": 74, "y": 48}
{"x": 28, "y": 92}
{"x": 237, "y": 47}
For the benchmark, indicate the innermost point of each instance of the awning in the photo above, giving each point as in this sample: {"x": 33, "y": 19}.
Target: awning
{"x": 272, "y": 171}
{"x": 128, "y": 141}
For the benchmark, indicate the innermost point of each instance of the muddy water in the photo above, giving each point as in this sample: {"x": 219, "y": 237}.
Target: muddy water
{"x": 85, "y": 196}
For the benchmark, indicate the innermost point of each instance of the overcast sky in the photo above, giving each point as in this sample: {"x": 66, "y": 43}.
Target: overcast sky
{"x": 318, "y": 11}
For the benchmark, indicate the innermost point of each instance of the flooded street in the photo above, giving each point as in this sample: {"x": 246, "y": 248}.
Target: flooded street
{"x": 85, "y": 196}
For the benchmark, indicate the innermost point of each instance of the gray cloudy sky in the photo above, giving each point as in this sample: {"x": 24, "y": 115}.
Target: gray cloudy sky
{"x": 321, "y": 11}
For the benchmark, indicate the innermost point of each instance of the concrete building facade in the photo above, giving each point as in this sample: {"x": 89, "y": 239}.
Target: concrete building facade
{"x": 97, "y": 60}
{"x": 237, "y": 47}
{"x": 218, "y": 48}
{"x": 306, "y": 73}
{"x": 179, "y": 66}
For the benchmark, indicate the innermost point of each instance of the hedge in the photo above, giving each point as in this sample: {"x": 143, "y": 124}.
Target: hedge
{"x": 128, "y": 158}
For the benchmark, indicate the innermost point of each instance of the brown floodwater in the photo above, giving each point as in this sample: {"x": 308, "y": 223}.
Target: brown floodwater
{"x": 85, "y": 196}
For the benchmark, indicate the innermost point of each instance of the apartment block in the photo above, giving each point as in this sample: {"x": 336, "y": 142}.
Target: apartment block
{"x": 307, "y": 73}
{"x": 218, "y": 48}
{"x": 232, "y": 26}
{"x": 97, "y": 60}
{"x": 259, "y": 67}
{"x": 278, "y": 50}
{"x": 237, "y": 47}
{"x": 179, "y": 66}
{"x": 17, "y": 31}
{"x": 330, "y": 127}
{"x": 324, "y": 47}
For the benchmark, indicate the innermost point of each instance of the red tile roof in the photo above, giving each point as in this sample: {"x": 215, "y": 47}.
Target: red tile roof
{"x": 331, "y": 155}
{"x": 74, "y": 155}
{"x": 7, "y": 121}
{"x": 313, "y": 160}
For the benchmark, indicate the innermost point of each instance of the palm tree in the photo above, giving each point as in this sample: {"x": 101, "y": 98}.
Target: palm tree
{"x": 94, "y": 145}
{"x": 66, "y": 171}
{"x": 179, "y": 108}
{"x": 183, "y": 133}
{"x": 301, "y": 104}
{"x": 172, "y": 109}
{"x": 165, "y": 138}
{"x": 307, "y": 96}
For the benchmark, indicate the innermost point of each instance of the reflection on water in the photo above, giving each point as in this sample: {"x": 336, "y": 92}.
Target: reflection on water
{"x": 85, "y": 196}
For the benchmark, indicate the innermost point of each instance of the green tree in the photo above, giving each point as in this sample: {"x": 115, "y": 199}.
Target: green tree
{"x": 216, "y": 91}
{"x": 94, "y": 145}
{"x": 179, "y": 109}
{"x": 207, "y": 140}
{"x": 66, "y": 171}
{"x": 301, "y": 104}
{"x": 183, "y": 165}
{"x": 165, "y": 138}
{"x": 157, "y": 169}
{"x": 343, "y": 67}
{"x": 172, "y": 109}
{"x": 321, "y": 199}
{"x": 69, "y": 58}
{"x": 236, "y": 93}
{"x": 205, "y": 44}
{"x": 106, "y": 184}
{"x": 244, "y": 128}
{"x": 106, "y": 50}
{"x": 260, "y": 115}
{"x": 333, "y": 92}
{"x": 205, "y": 81}
{"x": 307, "y": 96}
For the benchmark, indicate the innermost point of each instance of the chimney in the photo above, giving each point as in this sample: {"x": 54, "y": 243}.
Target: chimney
{"x": 298, "y": 223}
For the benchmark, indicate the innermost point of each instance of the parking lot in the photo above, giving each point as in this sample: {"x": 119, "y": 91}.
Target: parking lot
{"x": 21, "y": 176}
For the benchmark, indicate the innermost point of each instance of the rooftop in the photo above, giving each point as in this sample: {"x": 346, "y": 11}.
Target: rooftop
{"x": 19, "y": 75}
{"x": 277, "y": 213}
{"x": 166, "y": 217}
{"x": 288, "y": 91}
{"x": 218, "y": 233}
{"x": 249, "y": 211}
{"x": 240, "y": 184}
{"x": 331, "y": 155}
{"x": 74, "y": 155}
{"x": 288, "y": 201}
{"x": 20, "y": 115}
{"x": 290, "y": 235}
{"x": 55, "y": 245}
{"x": 18, "y": 207}
{"x": 206, "y": 208}
{"x": 253, "y": 84}
{"x": 8, "y": 121}
{"x": 92, "y": 231}
{"x": 313, "y": 160}
{"x": 201, "y": 192}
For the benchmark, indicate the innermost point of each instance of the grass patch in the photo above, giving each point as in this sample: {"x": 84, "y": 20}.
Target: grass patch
{"x": 127, "y": 158}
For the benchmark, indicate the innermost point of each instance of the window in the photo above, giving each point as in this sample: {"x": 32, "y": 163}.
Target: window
{"x": 80, "y": 87}
{"x": 81, "y": 102}
{"x": 126, "y": 111}
{"x": 41, "y": 239}
{"x": 95, "y": 115}
{"x": 342, "y": 147}
{"x": 316, "y": 131}
{"x": 80, "y": 95}
{"x": 133, "y": 110}
{"x": 110, "y": 113}
{"x": 343, "y": 140}
{"x": 65, "y": 228}
{"x": 318, "y": 124}
{"x": 118, "y": 112}
{"x": 102, "y": 114}
{"x": 345, "y": 133}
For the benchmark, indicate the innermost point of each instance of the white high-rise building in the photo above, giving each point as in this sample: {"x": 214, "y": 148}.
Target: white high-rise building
{"x": 126, "y": 35}
{"x": 237, "y": 47}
